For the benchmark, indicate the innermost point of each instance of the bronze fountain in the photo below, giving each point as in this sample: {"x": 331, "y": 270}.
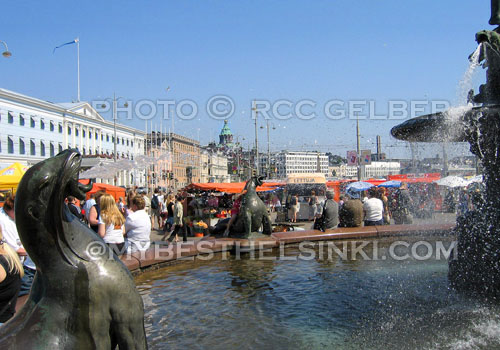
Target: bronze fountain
{"x": 476, "y": 266}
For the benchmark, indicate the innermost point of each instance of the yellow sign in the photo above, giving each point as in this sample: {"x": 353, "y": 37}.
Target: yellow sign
{"x": 315, "y": 178}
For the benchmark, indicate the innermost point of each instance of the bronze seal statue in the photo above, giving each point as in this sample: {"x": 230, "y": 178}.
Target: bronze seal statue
{"x": 252, "y": 215}
{"x": 82, "y": 297}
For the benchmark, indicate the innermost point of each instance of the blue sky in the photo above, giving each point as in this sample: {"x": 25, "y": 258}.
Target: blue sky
{"x": 343, "y": 50}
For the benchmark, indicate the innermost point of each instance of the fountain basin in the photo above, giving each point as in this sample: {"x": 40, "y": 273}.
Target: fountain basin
{"x": 159, "y": 256}
{"x": 285, "y": 303}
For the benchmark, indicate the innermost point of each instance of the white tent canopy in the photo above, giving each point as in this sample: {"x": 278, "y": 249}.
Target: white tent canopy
{"x": 452, "y": 181}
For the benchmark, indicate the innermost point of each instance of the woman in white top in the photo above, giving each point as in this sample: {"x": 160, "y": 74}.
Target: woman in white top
{"x": 111, "y": 224}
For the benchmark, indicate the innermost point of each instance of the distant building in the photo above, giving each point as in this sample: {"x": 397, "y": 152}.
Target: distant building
{"x": 285, "y": 163}
{"x": 373, "y": 170}
{"x": 214, "y": 167}
{"x": 226, "y": 136}
{"x": 185, "y": 160}
{"x": 381, "y": 169}
{"x": 344, "y": 171}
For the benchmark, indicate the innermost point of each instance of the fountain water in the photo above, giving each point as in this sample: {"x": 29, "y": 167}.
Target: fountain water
{"x": 477, "y": 266}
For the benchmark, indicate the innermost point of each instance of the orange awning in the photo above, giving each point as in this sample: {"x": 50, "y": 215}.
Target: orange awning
{"x": 115, "y": 191}
{"x": 233, "y": 187}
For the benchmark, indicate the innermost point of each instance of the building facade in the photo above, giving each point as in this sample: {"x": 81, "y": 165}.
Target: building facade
{"x": 378, "y": 170}
{"x": 186, "y": 167}
{"x": 159, "y": 172}
{"x": 33, "y": 130}
{"x": 284, "y": 163}
{"x": 214, "y": 167}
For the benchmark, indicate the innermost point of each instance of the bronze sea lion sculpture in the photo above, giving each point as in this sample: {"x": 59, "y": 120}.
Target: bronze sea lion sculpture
{"x": 253, "y": 212}
{"x": 82, "y": 297}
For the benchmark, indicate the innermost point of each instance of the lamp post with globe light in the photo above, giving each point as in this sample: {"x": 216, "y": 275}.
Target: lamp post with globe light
{"x": 6, "y": 53}
{"x": 268, "y": 165}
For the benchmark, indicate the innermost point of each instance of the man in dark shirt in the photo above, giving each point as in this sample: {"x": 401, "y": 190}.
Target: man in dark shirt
{"x": 351, "y": 213}
{"x": 330, "y": 216}
{"x": 73, "y": 207}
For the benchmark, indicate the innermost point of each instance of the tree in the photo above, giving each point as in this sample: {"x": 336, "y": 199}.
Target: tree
{"x": 334, "y": 159}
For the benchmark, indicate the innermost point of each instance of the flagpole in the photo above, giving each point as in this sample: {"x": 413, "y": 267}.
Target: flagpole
{"x": 78, "y": 64}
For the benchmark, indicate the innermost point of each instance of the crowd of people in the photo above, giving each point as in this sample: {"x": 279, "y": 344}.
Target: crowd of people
{"x": 125, "y": 224}
{"x": 357, "y": 208}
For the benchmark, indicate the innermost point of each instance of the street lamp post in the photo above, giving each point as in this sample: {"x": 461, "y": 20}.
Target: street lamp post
{"x": 254, "y": 108}
{"x": 115, "y": 112}
{"x": 239, "y": 151}
{"x": 268, "y": 165}
{"x": 115, "y": 107}
{"x": 6, "y": 53}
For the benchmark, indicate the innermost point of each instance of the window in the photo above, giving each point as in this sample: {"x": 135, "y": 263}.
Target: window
{"x": 107, "y": 138}
{"x": 123, "y": 141}
{"x": 32, "y": 148}
{"x": 84, "y": 152}
{"x": 102, "y": 137}
{"x": 60, "y": 148}
{"x": 83, "y": 133}
{"x": 42, "y": 149}
{"x": 52, "y": 150}
{"x": 90, "y": 134}
{"x": 60, "y": 128}
{"x": 113, "y": 139}
{"x": 10, "y": 145}
{"x": 21, "y": 120}
{"x": 69, "y": 130}
{"x": 11, "y": 118}
{"x": 42, "y": 124}
{"x": 32, "y": 122}
{"x": 51, "y": 126}
{"x": 96, "y": 135}
{"x": 132, "y": 144}
{"x": 22, "y": 149}
{"x": 128, "y": 142}
{"x": 76, "y": 132}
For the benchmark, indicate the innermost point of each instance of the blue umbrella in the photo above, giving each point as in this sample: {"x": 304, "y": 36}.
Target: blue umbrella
{"x": 391, "y": 183}
{"x": 358, "y": 186}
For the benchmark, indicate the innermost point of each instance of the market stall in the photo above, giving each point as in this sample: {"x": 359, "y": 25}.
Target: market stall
{"x": 11, "y": 176}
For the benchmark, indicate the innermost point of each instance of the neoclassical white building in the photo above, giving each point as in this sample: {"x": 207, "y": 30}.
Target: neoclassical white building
{"x": 33, "y": 129}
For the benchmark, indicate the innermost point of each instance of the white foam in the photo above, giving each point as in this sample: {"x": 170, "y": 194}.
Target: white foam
{"x": 466, "y": 84}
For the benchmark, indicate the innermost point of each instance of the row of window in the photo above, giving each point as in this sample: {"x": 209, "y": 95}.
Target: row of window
{"x": 32, "y": 147}
{"x": 43, "y": 148}
{"x": 22, "y": 122}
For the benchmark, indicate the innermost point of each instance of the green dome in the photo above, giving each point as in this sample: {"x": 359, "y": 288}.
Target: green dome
{"x": 225, "y": 130}
{"x": 226, "y": 136}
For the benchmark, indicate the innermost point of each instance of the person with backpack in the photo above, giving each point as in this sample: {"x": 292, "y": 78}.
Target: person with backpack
{"x": 156, "y": 207}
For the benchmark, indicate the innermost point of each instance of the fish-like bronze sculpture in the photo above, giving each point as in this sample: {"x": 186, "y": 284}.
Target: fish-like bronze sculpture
{"x": 82, "y": 297}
